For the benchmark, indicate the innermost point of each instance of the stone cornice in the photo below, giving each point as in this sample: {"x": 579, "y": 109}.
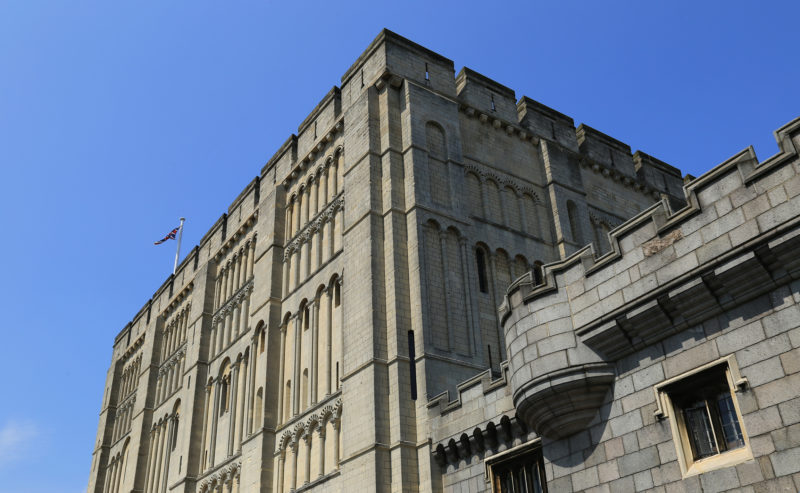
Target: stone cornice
{"x": 314, "y": 225}
{"x": 177, "y": 300}
{"x": 173, "y": 359}
{"x": 133, "y": 347}
{"x": 294, "y": 430}
{"x": 235, "y": 299}
{"x": 484, "y": 172}
{"x": 484, "y": 438}
{"x": 246, "y": 226}
{"x": 319, "y": 148}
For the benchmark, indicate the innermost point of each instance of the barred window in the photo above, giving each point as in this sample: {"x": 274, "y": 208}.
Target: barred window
{"x": 706, "y": 422}
{"x": 520, "y": 470}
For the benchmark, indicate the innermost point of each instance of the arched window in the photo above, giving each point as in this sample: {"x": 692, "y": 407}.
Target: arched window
{"x": 225, "y": 388}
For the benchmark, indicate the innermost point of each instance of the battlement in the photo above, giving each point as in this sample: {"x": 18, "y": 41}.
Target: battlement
{"x": 667, "y": 271}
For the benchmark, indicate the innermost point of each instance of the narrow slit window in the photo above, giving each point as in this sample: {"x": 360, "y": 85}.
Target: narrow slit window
{"x": 412, "y": 365}
{"x": 483, "y": 283}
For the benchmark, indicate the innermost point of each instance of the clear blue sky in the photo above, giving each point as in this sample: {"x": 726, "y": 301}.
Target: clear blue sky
{"x": 118, "y": 117}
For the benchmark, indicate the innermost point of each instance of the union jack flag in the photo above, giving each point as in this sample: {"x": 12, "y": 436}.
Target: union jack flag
{"x": 170, "y": 236}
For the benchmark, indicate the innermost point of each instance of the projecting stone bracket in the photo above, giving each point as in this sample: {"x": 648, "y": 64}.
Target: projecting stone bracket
{"x": 563, "y": 402}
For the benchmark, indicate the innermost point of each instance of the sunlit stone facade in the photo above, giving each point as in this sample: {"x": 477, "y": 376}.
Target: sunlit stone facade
{"x": 347, "y": 324}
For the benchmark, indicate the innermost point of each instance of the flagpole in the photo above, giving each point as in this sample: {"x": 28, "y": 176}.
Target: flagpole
{"x": 178, "y": 251}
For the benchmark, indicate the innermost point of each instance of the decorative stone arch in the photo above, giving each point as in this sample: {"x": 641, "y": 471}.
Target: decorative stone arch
{"x": 284, "y": 441}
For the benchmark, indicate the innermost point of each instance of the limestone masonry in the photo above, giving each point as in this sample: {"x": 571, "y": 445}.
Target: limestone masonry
{"x": 434, "y": 286}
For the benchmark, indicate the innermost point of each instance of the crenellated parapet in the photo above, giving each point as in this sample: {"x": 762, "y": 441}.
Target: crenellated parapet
{"x": 667, "y": 270}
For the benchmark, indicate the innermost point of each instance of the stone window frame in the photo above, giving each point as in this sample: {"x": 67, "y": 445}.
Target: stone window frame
{"x": 532, "y": 448}
{"x": 667, "y": 409}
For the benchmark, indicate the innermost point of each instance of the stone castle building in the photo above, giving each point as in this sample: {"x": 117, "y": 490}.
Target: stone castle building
{"x": 403, "y": 300}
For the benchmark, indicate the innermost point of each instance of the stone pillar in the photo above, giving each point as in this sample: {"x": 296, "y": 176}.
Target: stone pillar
{"x": 336, "y": 430}
{"x": 252, "y": 367}
{"x": 318, "y": 258}
{"x": 314, "y": 203}
{"x": 281, "y": 378}
{"x": 168, "y": 426}
{"x": 298, "y": 334}
{"x": 296, "y": 213}
{"x": 234, "y": 385}
{"x": 304, "y": 206}
{"x": 286, "y": 273}
{"x": 245, "y": 312}
{"x": 159, "y": 457}
{"x": 214, "y": 419}
{"x": 307, "y": 438}
{"x": 296, "y": 263}
{"x": 323, "y": 188}
{"x": 281, "y": 461}
{"x": 447, "y": 292}
{"x": 149, "y": 466}
{"x": 321, "y": 448}
{"x": 237, "y": 276}
{"x": 288, "y": 223}
{"x": 112, "y": 474}
{"x": 237, "y": 315}
{"x": 332, "y": 178}
{"x": 224, "y": 284}
{"x": 228, "y": 326}
{"x": 293, "y": 482}
{"x": 328, "y": 349}
{"x": 304, "y": 264}
{"x": 327, "y": 249}
{"x": 251, "y": 257}
{"x": 205, "y": 424}
{"x": 312, "y": 398}
{"x": 241, "y": 405}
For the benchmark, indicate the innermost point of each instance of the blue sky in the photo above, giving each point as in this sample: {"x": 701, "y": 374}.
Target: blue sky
{"x": 116, "y": 118}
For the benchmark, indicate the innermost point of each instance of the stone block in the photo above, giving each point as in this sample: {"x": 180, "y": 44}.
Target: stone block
{"x": 719, "y": 480}
{"x": 762, "y": 421}
{"x": 787, "y": 437}
{"x": 643, "y": 480}
{"x": 584, "y": 479}
{"x": 763, "y": 372}
{"x": 638, "y": 461}
{"x": 790, "y": 411}
{"x": 763, "y": 350}
{"x": 749, "y": 472}
{"x": 791, "y": 360}
{"x": 786, "y": 461}
{"x": 627, "y": 423}
{"x": 778, "y": 391}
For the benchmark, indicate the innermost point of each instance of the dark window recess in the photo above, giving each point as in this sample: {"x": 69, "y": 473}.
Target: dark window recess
{"x": 427, "y": 74}
{"x": 538, "y": 273}
{"x": 483, "y": 283}
{"x": 412, "y": 365}
{"x": 520, "y": 474}
{"x": 706, "y": 405}
{"x": 493, "y": 106}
